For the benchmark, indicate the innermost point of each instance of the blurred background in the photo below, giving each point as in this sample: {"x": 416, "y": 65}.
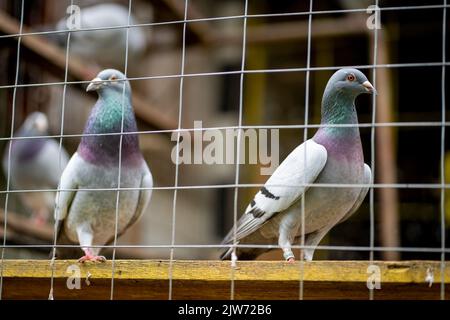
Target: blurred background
{"x": 407, "y": 155}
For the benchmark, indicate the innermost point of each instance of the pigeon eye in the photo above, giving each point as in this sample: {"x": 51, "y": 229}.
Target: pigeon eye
{"x": 113, "y": 77}
{"x": 350, "y": 77}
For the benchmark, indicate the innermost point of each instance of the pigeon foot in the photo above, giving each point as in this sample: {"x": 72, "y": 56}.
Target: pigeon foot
{"x": 91, "y": 258}
{"x": 88, "y": 256}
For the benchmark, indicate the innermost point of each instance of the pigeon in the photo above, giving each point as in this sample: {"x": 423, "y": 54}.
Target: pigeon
{"x": 106, "y": 47}
{"x": 332, "y": 156}
{"x": 35, "y": 164}
{"x": 88, "y": 217}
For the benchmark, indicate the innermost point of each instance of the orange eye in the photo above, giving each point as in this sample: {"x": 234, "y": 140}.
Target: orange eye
{"x": 113, "y": 77}
{"x": 351, "y": 77}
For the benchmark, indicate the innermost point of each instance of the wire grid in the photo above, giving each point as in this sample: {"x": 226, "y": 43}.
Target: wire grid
{"x": 63, "y": 108}
{"x": 180, "y": 117}
{"x": 242, "y": 72}
{"x": 372, "y": 154}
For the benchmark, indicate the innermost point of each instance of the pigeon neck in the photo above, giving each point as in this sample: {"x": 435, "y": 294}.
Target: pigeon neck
{"x": 27, "y": 149}
{"x": 106, "y": 117}
{"x": 339, "y": 108}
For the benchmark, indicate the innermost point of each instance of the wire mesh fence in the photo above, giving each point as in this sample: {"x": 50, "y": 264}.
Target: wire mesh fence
{"x": 188, "y": 25}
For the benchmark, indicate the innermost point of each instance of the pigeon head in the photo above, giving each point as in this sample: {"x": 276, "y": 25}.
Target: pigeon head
{"x": 108, "y": 81}
{"x": 35, "y": 124}
{"x": 351, "y": 82}
{"x": 338, "y": 101}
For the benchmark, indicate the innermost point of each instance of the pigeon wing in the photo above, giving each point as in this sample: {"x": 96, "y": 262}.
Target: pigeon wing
{"x": 67, "y": 184}
{"x": 144, "y": 198}
{"x": 283, "y": 188}
{"x": 362, "y": 194}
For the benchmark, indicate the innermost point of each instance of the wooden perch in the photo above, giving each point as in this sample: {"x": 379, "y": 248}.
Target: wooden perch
{"x": 149, "y": 279}
{"x": 78, "y": 70}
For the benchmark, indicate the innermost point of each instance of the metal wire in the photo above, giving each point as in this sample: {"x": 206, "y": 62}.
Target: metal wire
{"x": 372, "y": 148}
{"x": 180, "y": 118}
{"x": 265, "y": 246}
{"x": 8, "y": 178}
{"x": 63, "y": 108}
{"x": 254, "y": 185}
{"x": 238, "y": 151}
{"x": 119, "y": 174}
{"x": 244, "y": 127}
{"x": 245, "y": 16}
{"x": 248, "y": 71}
{"x": 305, "y": 137}
{"x": 442, "y": 218}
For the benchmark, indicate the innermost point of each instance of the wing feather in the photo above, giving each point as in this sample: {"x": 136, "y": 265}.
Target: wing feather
{"x": 144, "y": 198}
{"x": 68, "y": 181}
{"x": 283, "y": 188}
{"x": 362, "y": 194}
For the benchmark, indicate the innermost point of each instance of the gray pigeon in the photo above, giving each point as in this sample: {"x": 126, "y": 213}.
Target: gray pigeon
{"x": 88, "y": 217}
{"x": 35, "y": 164}
{"x": 333, "y": 156}
{"x": 106, "y": 47}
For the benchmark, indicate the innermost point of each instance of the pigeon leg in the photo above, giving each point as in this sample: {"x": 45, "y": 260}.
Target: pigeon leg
{"x": 312, "y": 240}
{"x": 89, "y": 256}
{"x": 287, "y": 230}
{"x": 85, "y": 237}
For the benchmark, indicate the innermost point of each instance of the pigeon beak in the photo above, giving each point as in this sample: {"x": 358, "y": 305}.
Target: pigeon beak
{"x": 94, "y": 85}
{"x": 369, "y": 87}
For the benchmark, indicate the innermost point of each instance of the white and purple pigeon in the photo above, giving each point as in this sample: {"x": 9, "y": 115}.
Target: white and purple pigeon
{"x": 88, "y": 217}
{"x": 35, "y": 164}
{"x": 332, "y": 156}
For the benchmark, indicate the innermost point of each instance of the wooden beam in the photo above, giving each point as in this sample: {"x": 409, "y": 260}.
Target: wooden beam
{"x": 201, "y": 30}
{"x": 149, "y": 279}
{"x": 276, "y": 32}
{"x": 279, "y": 32}
{"x": 80, "y": 71}
{"x": 386, "y": 153}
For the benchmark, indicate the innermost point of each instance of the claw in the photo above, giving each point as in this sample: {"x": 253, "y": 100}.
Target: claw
{"x": 291, "y": 260}
{"x": 91, "y": 258}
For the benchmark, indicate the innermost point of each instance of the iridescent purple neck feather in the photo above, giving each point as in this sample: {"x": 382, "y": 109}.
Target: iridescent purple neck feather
{"x": 338, "y": 108}
{"x": 106, "y": 117}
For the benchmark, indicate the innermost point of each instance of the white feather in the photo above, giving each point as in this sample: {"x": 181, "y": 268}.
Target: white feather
{"x": 68, "y": 181}
{"x": 286, "y": 185}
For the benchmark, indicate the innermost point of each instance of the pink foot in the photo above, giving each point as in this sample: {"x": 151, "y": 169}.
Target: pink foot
{"x": 91, "y": 258}
{"x": 291, "y": 260}
{"x": 39, "y": 220}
